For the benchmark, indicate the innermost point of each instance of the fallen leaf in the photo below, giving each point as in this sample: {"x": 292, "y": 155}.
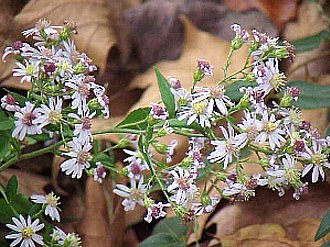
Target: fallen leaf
{"x": 279, "y": 11}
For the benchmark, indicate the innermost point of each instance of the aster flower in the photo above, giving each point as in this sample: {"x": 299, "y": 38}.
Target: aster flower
{"x": 270, "y": 131}
{"x": 158, "y": 112}
{"x": 26, "y": 232}
{"x": 215, "y": 95}
{"x": 27, "y": 71}
{"x": 250, "y": 127}
{"x": 99, "y": 173}
{"x": 24, "y": 124}
{"x": 50, "y": 114}
{"x": 63, "y": 239}
{"x": 182, "y": 187}
{"x": 265, "y": 43}
{"x": 83, "y": 129}
{"x": 9, "y": 103}
{"x": 15, "y": 48}
{"x": 238, "y": 192}
{"x": 207, "y": 206}
{"x": 70, "y": 52}
{"x": 174, "y": 82}
{"x": 240, "y": 32}
{"x": 134, "y": 156}
{"x": 226, "y": 149}
{"x": 181, "y": 97}
{"x": 81, "y": 90}
{"x": 200, "y": 112}
{"x": 51, "y": 202}
{"x": 41, "y": 26}
{"x": 135, "y": 169}
{"x": 316, "y": 160}
{"x": 80, "y": 158}
{"x": 133, "y": 195}
{"x": 205, "y": 67}
{"x": 156, "y": 211}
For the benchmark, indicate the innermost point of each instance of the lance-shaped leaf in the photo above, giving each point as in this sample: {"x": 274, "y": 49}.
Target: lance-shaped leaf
{"x": 136, "y": 119}
{"x": 311, "y": 42}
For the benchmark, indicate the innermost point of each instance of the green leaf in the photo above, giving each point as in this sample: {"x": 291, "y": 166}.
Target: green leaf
{"x": 4, "y": 143}
{"x": 183, "y": 124}
{"x": 232, "y": 91}
{"x": 312, "y": 96}
{"x": 165, "y": 93}
{"x": 172, "y": 226}
{"x": 324, "y": 227}
{"x": 136, "y": 119}
{"x": 11, "y": 189}
{"x": 327, "y": 132}
{"x": 311, "y": 42}
{"x": 6, "y": 124}
{"x": 3, "y": 244}
{"x": 22, "y": 204}
{"x": 35, "y": 209}
{"x": 162, "y": 240}
{"x": 5, "y": 213}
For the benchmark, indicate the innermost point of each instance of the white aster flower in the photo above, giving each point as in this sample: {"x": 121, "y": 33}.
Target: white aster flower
{"x": 270, "y": 131}
{"x": 199, "y": 111}
{"x": 205, "y": 67}
{"x": 27, "y": 71}
{"x": 238, "y": 191}
{"x": 158, "y": 112}
{"x": 226, "y": 149}
{"x": 24, "y": 124}
{"x": 316, "y": 160}
{"x": 182, "y": 187}
{"x": 251, "y": 127}
{"x": 64, "y": 239}
{"x": 26, "y": 232}
{"x": 70, "y": 52}
{"x": 15, "y": 48}
{"x": 181, "y": 97}
{"x": 135, "y": 169}
{"x": 9, "y": 103}
{"x": 207, "y": 207}
{"x": 99, "y": 173}
{"x": 51, "y": 202}
{"x": 80, "y": 158}
{"x": 50, "y": 114}
{"x": 41, "y": 25}
{"x": 133, "y": 195}
{"x": 156, "y": 211}
{"x": 171, "y": 150}
{"x": 103, "y": 100}
{"x": 83, "y": 129}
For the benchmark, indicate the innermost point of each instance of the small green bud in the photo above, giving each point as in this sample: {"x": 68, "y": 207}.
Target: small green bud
{"x": 123, "y": 171}
{"x": 64, "y": 33}
{"x": 198, "y": 75}
{"x": 286, "y": 101}
{"x": 281, "y": 53}
{"x": 237, "y": 43}
{"x": 264, "y": 162}
{"x": 93, "y": 104}
{"x": 186, "y": 162}
{"x": 160, "y": 148}
{"x": 250, "y": 77}
{"x": 205, "y": 199}
{"x": 123, "y": 143}
{"x": 79, "y": 68}
{"x": 244, "y": 102}
{"x": 253, "y": 46}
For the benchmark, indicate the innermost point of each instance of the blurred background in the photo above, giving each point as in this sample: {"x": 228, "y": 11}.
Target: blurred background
{"x": 126, "y": 39}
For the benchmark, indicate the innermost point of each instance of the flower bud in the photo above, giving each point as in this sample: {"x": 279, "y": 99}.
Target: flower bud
{"x": 79, "y": 68}
{"x": 123, "y": 143}
{"x": 253, "y": 46}
{"x": 237, "y": 43}
{"x": 205, "y": 199}
{"x": 286, "y": 101}
{"x": 244, "y": 102}
{"x": 160, "y": 148}
{"x": 264, "y": 162}
{"x": 198, "y": 75}
{"x": 250, "y": 77}
{"x": 49, "y": 67}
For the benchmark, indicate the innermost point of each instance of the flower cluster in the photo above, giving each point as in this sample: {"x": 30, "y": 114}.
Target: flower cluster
{"x": 64, "y": 96}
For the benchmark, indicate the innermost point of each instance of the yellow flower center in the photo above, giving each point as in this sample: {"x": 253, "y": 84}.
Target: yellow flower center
{"x": 51, "y": 200}
{"x": 278, "y": 81}
{"x": 27, "y": 232}
{"x": 270, "y": 127}
{"x": 199, "y": 107}
{"x": 29, "y": 70}
{"x": 318, "y": 159}
{"x": 54, "y": 117}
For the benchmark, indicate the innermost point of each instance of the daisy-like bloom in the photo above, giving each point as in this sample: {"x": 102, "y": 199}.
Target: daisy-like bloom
{"x": 199, "y": 111}
{"x": 265, "y": 43}
{"x": 206, "y": 206}
{"x": 205, "y": 67}
{"x": 181, "y": 97}
{"x": 80, "y": 158}
{"x": 50, "y": 114}
{"x": 99, "y": 173}
{"x": 83, "y": 129}
{"x": 70, "y": 52}
{"x": 268, "y": 75}
{"x": 9, "y": 103}
{"x": 26, "y": 232}
{"x": 81, "y": 89}
{"x": 226, "y": 149}
{"x": 42, "y": 53}
{"x": 135, "y": 169}
{"x": 63, "y": 239}
{"x": 51, "y": 202}
{"x": 103, "y": 100}
{"x": 85, "y": 60}
{"x": 24, "y": 124}
{"x": 215, "y": 95}
{"x": 270, "y": 131}
{"x": 133, "y": 195}
{"x": 134, "y": 156}
{"x": 182, "y": 187}
{"x": 316, "y": 160}
{"x": 171, "y": 150}
{"x": 238, "y": 192}
{"x": 156, "y": 211}
{"x": 250, "y": 126}
{"x": 15, "y": 48}
{"x": 158, "y": 112}
{"x": 294, "y": 92}
{"x": 41, "y": 26}
{"x": 27, "y": 71}
{"x": 256, "y": 98}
